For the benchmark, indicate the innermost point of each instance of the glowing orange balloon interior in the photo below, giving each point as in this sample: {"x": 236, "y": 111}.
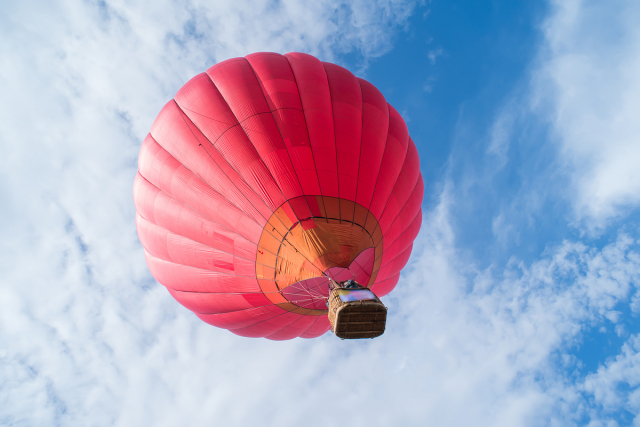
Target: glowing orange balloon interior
{"x": 297, "y": 252}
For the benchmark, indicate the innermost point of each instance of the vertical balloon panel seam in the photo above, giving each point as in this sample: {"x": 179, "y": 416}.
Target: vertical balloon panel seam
{"x": 392, "y": 243}
{"x": 419, "y": 213}
{"x": 252, "y": 145}
{"x": 399, "y": 172}
{"x": 403, "y": 206}
{"x": 230, "y": 180}
{"x": 340, "y": 72}
{"x": 183, "y": 108}
{"x": 306, "y": 127}
{"x": 266, "y": 320}
{"x": 230, "y": 165}
{"x": 257, "y": 152}
{"x": 285, "y": 146}
{"x": 198, "y": 213}
{"x": 316, "y": 334}
{"x": 183, "y": 115}
{"x": 401, "y": 249}
{"x": 386, "y": 104}
{"x": 379, "y": 168}
{"x": 335, "y": 140}
{"x": 208, "y": 186}
{"x": 392, "y": 192}
{"x": 407, "y": 253}
{"x": 405, "y": 170}
{"x": 234, "y": 169}
{"x": 360, "y": 154}
{"x": 234, "y": 311}
{"x": 157, "y": 256}
{"x": 415, "y": 186}
{"x": 311, "y": 326}
{"x": 302, "y": 317}
{"x": 260, "y": 321}
{"x": 247, "y": 135}
{"x": 304, "y": 113}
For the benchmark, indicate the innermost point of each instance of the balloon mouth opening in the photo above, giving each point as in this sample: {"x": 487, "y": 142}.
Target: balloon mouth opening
{"x": 311, "y": 238}
{"x": 313, "y": 293}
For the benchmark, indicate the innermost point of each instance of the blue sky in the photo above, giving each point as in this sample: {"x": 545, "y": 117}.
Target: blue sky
{"x": 519, "y": 306}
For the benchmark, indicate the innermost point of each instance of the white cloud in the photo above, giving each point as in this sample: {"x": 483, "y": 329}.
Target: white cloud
{"x": 588, "y": 77}
{"x": 434, "y": 53}
{"x": 605, "y": 384}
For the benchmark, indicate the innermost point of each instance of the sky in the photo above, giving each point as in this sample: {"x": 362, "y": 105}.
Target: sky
{"x": 519, "y": 305}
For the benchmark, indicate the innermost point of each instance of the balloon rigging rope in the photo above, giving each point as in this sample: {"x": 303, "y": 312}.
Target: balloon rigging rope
{"x": 318, "y": 268}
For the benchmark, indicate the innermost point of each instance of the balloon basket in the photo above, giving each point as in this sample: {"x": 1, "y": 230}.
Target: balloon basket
{"x": 356, "y": 313}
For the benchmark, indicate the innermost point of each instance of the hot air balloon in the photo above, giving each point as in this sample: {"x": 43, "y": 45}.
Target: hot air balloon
{"x": 264, "y": 178}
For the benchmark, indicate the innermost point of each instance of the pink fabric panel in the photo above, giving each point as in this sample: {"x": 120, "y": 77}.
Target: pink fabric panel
{"x": 171, "y": 247}
{"x": 159, "y": 168}
{"x": 359, "y": 270}
{"x": 239, "y": 151}
{"x": 207, "y": 303}
{"x": 386, "y": 286}
{"x": 319, "y": 327}
{"x": 365, "y": 260}
{"x": 202, "y": 103}
{"x": 168, "y": 213}
{"x": 267, "y": 327}
{"x": 394, "y": 154}
{"x": 401, "y": 243}
{"x": 314, "y": 92}
{"x": 276, "y": 80}
{"x": 403, "y": 221}
{"x": 237, "y": 83}
{"x": 208, "y": 116}
{"x": 241, "y": 318}
{"x": 293, "y": 129}
{"x": 375, "y": 126}
{"x": 404, "y": 187}
{"x": 293, "y": 330}
{"x": 395, "y": 265}
{"x": 281, "y": 92}
{"x": 263, "y": 132}
{"x": 173, "y": 133}
{"x": 191, "y": 279}
{"x": 407, "y": 214}
{"x": 346, "y": 101}
{"x": 411, "y": 233}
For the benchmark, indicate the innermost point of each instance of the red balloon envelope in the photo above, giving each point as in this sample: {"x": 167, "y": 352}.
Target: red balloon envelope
{"x": 264, "y": 175}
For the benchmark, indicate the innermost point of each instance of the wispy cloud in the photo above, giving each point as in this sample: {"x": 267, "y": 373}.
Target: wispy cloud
{"x": 434, "y": 54}
{"x": 586, "y": 82}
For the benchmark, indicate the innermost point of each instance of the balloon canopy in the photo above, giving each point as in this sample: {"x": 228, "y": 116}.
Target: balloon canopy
{"x": 266, "y": 175}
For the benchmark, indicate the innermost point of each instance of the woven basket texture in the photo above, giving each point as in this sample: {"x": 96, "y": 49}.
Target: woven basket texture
{"x": 356, "y": 319}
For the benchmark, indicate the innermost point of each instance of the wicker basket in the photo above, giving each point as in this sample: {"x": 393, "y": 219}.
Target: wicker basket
{"x": 356, "y": 319}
